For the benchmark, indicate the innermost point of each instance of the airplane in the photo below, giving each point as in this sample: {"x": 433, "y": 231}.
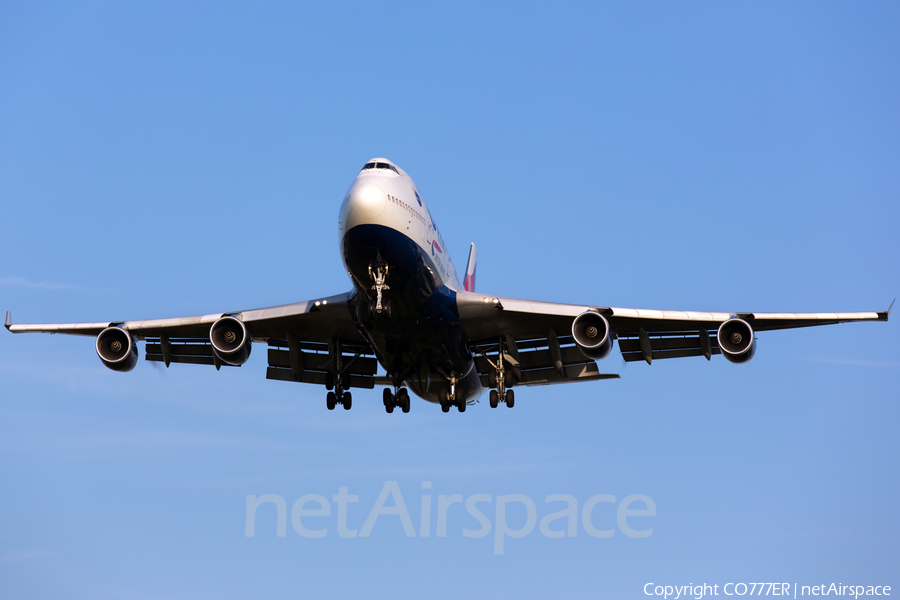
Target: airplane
{"x": 410, "y": 312}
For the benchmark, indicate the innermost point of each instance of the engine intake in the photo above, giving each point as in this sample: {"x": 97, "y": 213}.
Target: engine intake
{"x": 592, "y": 334}
{"x": 230, "y": 340}
{"x": 117, "y": 350}
{"x": 736, "y": 340}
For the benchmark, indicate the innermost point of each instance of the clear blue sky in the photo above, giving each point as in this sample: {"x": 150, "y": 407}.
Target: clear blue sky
{"x": 172, "y": 160}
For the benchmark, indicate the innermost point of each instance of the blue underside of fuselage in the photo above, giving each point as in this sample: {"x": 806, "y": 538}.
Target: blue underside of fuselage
{"x": 422, "y": 342}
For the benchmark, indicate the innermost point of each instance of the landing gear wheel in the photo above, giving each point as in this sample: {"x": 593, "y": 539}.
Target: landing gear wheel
{"x": 388, "y": 398}
{"x": 405, "y": 403}
{"x": 461, "y": 406}
{"x": 389, "y": 408}
{"x": 345, "y": 381}
{"x": 346, "y": 400}
{"x": 330, "y": 400}
{"x": 510, "y": 399}
{"x": 445, "y": 407}
{"x": 386, "y": 309}
{"x": 329, "y": 381}
{"x": 495, "y": 398}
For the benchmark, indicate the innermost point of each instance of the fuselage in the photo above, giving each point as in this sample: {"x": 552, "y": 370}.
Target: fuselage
{"x": 386, "y": 229}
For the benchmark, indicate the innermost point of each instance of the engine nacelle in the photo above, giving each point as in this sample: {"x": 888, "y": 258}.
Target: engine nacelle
{"x": 592, "y": 334}
{"x": 230, "y": 340}
{"x": 117, "y": 350}
{"x": 736, "y": 340}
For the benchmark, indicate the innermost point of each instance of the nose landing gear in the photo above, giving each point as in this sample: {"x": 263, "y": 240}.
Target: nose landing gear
{"x": 380, "y": 305}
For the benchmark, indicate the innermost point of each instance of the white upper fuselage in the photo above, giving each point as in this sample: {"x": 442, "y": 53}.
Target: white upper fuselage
{"x": 389, "y": 197}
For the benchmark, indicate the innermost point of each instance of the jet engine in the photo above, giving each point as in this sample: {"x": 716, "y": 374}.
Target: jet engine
{"x": 736, "y": 340}
{"x": 230, "y": 340}
{"x": 592, "y": 334}
{"x": 117, "y": 350}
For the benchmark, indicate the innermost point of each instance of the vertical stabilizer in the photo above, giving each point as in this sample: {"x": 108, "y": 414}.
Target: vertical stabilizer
{"x": 470, "y": 269}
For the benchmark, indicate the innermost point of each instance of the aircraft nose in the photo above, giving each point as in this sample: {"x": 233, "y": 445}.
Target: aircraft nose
{"x": 365, "y": 203}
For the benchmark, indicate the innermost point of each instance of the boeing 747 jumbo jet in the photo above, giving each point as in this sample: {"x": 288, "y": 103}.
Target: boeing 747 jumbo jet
{"x": 430, "y": 331}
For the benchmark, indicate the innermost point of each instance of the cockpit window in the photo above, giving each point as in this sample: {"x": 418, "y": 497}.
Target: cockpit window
{"x": 373, "y": 165}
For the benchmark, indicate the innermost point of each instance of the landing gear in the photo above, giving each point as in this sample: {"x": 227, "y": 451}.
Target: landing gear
{"x": 332, "y": 399}
{"x": 380, "y": 306}
{"x": 448, "y": 397}
{"x": 400, "y": 399}
{"x": 502, "y": 378}
{"x": 337, "y": 380}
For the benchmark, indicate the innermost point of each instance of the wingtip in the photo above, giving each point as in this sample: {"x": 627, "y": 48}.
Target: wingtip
{"x": 8, "y": 320}
{"x": 887, "y": 315}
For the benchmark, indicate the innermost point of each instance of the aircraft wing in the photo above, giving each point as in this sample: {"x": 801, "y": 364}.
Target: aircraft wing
{"x": 301, "y": 338}
{"x": 642, "y": 334}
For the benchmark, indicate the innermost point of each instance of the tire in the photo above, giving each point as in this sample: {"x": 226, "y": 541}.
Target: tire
{"x": 461, "y": 406}
{"x": 389, "y": 408}
{"x": 495, "y": 398}
{"x": 330, "y": 400}
{"x": 445, "y": 407}
{"x": 510, "y": 399}
{"x": 347, "y": 400}
{"x": 511, "y": 376}
{"x": 345, "y": 381}
{"x": 329, "y": 381}
{"x": 403, "y": 392}
{"x": 405, "y": 404}
{"x": 386, "y": 309}
{"x": 388, "y": 398}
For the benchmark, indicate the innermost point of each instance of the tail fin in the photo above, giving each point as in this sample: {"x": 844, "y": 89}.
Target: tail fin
{"x": 470, "y": 269}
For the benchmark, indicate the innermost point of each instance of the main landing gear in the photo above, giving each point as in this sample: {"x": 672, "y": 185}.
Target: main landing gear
{"x": 509, "y": 398}
{"x": 503, "y": 379}
{"x": 379, "y": 305}
{"x": 391, "y": 400}
{"x": 338, "y": 396}
{"x": 448, "y": 397}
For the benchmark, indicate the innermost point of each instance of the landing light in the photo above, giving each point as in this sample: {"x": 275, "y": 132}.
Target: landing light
{"x": 318, "y": 303}
{"x": 324, "y": 301}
